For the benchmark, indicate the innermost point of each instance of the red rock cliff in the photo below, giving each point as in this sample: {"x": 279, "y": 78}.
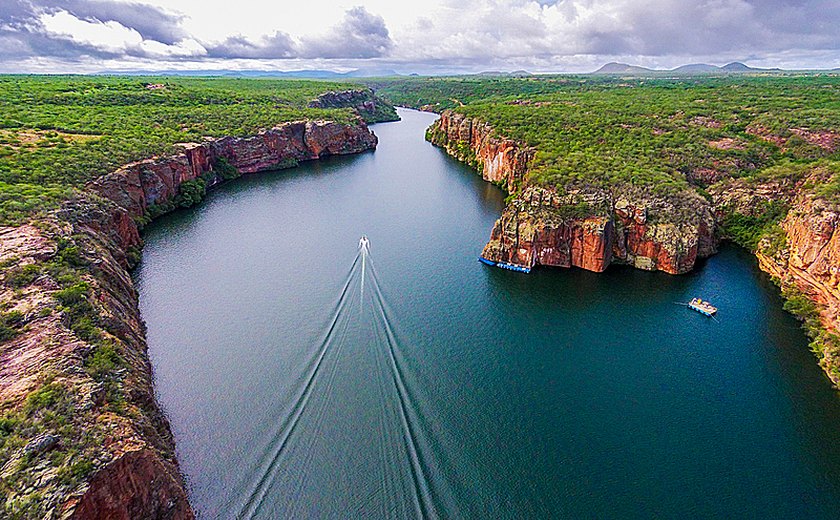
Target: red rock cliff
{"x": 137, "y": 186}
{"x": 500, "y": 160}
{"x": 83, "y": 437}
{"x": 581, "y": 228}
{"x": 810, "y": 260}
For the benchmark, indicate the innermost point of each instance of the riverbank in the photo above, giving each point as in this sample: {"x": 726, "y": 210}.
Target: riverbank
{"x": 83, "y": 436}
{"x": 591, "y": 228}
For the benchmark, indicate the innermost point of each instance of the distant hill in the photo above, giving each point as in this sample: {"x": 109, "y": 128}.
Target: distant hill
{"x": 621, "y": 68}
{"x": 692, "y": 68}
{"x": 736, "y": 66}
{"x": 696, "y": 68}
{"x": 494, "y": 73}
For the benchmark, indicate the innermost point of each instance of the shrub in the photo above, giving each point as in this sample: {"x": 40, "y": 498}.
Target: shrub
{"x": 73, "y": 295}
{"x": 748, "y": 230}
{"x": 224, "y": 169}
{"x": 44, "y": 397}
{"x": 191, "y": 193}
{"x": 10, "y": 323}
{"x": 103, "y": 361}
{"x": 22, "y": 276}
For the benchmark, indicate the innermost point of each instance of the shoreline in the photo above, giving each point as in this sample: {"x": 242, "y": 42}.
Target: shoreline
{"x": 540, "y": 226}
{"x": 79, "y": 349}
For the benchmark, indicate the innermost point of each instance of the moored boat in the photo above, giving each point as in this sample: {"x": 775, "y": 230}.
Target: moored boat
{"x": 702, "y": 307}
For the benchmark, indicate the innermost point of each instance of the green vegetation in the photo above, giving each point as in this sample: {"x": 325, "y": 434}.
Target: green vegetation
{"x": 446, "y": 93}
{"x": 48, "y": 410}
{"x": 55, "y": 407}
{"x": 10, "y": 323}
{"x": 660, "y": 132}
{"x": 748, "y": 230}
{"x": 59, "y": 132}
{"x": 225, "y": 170}
{"x": 648, "y": 132}
{"x": 825, "y": 344}
{"x": 669, "y": 135}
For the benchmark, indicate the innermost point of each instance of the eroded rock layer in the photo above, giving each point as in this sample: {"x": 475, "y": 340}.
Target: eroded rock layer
{"x": 588, "y": 228}
{"x": 137, "y": 186}
{"x": 501, "y": 161}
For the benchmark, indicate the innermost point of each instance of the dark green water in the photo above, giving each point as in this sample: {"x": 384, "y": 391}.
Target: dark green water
{"x": 481, "y": 393}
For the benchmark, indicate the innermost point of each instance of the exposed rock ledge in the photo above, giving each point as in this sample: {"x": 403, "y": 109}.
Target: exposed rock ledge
{"x": 83, "y": 434}
{"x": 587, "y": 228}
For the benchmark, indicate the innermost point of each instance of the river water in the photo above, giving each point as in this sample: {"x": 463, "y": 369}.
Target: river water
{"x": 300, "y": 383}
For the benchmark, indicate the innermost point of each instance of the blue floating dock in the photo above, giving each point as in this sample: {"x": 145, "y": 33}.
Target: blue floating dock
{"x": 505, "y": 265}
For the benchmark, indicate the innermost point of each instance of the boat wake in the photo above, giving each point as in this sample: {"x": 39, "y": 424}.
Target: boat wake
{"x": 341, "y": 419}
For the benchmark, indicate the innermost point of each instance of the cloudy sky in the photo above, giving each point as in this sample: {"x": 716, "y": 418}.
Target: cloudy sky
{"x": 435, "y": 36}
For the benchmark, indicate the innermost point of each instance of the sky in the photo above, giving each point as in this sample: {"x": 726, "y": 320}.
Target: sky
{"x": 431, "y": 37}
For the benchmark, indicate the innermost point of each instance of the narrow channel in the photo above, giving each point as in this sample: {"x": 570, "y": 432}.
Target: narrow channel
{"x": 454, "y": 390}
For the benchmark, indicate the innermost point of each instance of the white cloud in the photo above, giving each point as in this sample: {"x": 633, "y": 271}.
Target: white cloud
{"x": 109, "y": 36}
{"x": 466, "y": 35}
{"x": 114, "y": 38}
{"x": 183, "y": 48}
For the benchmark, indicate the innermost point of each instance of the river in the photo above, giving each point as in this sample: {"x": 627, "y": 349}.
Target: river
{"x": 440, "y": 387}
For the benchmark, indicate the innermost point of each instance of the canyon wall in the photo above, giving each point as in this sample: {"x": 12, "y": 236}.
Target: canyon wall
{"x": 500, "y": 160}
{"x": 137, "y": 186}
{"x": 588, "y": 227}
{"x": 81, "y": 433}
{"x": 805, "y": 255}
{"x": 809, "y": 261}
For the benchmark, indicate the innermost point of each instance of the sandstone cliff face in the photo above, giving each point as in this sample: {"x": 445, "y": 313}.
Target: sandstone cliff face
{"x": 534, "y": 231}
{"x": 137, "y": 186}
{"x": 588, "y": 228}
{"x": 501, "y": 161}
{"x": 810, "y": 261}
{"x": 81, "y": 435}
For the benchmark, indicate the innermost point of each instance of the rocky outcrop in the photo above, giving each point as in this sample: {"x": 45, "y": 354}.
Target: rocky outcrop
{"x": 137, "y": 186}
{"x": 81, "y": 435}
{"x": 137, "y": 485}
{"x": 807, "y": 258}
{"x": 593, "y": 229}
{"x": 534, "y": 231}
{"x": 587, "y": 228}
{"x": 499, "y": 160}
{"x": 363, "y": 101}
{"x": 826, "y": 140}
{"x": 88, "y": 391}
{"x": 811, "y": 257}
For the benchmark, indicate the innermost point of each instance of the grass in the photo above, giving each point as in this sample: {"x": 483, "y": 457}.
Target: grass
{"x": 59, "y": 132}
